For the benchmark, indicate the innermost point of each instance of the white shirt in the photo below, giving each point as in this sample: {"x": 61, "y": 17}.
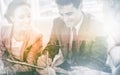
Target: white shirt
{"x": 16, "y": 48}
{"x": 77, "y": 27}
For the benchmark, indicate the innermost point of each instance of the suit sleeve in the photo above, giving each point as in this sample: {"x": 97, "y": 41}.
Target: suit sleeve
{"x": 53, "y": 44}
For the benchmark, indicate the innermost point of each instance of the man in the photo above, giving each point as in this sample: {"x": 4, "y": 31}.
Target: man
{"x": 76, "y": 39}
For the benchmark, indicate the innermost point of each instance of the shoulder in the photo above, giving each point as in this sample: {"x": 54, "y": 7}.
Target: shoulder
{"x": 5, "y": 31}
{"x": 4, "y": 24}
{"x": 35, "y": 34}
{"x": 95, "y": 26}
{"x": 58, "y": 25}
{"x": 6, "y": 27}
{"x": 58, "y": 19}
{"x": 91, "y": 20}
{"x": 91, "y": 28}
{"x": 58, "y": 22}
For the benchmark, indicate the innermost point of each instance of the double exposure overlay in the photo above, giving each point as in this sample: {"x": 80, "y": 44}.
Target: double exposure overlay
{"x": 59, "y": 37}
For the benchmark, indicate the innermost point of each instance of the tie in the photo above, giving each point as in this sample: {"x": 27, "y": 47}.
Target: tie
{"x": 74, "y": 34}
{"x": 72, "y": 45}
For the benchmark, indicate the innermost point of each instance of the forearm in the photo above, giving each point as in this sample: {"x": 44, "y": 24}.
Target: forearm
{"x": 34, "y": 51}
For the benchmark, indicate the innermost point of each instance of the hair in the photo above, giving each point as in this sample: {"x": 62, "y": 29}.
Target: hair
{"x": 76, "y": 3}
{"x": 12, "y": 7}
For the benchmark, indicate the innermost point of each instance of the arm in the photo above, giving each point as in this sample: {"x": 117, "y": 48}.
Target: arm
{"x": 53, "y": 50}
{"x": 53, "y": 45}
{"x": 34, "y": 51}
{"x": 99, "y": 54}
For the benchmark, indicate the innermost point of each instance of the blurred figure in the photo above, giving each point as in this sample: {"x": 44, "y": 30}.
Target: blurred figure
{"x": 117, "y": 71}
{"x": 19, "y": 42}
{"x": 114, "y": 39}
{"x": 113, "y": 58}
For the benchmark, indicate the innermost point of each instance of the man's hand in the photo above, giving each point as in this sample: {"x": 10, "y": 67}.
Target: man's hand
{"x": 44, "y": 61}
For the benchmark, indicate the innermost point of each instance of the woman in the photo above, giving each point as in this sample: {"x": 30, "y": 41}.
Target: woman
{"x": 19, "y": 41}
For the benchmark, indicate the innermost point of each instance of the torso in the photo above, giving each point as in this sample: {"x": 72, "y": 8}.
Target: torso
{"x": 16, "y": 48}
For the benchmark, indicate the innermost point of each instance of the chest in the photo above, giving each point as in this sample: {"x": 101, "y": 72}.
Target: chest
{"x": 16, "y": 47}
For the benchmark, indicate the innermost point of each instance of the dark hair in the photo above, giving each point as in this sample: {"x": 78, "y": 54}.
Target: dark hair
{"x": 75, "y": 3}
{"x": 12, "y": 7}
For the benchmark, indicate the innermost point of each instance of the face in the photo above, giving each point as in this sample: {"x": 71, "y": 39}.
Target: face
{"x": 70, "y": 15}
{"x": 21, "y": 18}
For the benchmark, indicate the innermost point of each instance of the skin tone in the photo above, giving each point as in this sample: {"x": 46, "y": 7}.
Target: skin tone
{"x": 21, "y": 21}
{"x": 70, "y": 14}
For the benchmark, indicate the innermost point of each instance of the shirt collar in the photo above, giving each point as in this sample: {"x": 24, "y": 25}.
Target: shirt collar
{"x": 77, "y": 27}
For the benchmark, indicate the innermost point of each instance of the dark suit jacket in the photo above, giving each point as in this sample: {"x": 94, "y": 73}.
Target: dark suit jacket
{"x": 91, "y": 49}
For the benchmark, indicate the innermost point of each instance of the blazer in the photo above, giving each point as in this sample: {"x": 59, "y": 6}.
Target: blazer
{"x": 91, "y": 48}
{"x": 31, "y": 49}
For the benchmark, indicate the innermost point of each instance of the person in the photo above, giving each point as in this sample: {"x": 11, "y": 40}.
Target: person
{"x": 20, "y": 43}
{"x": 77, "y": 39}
{"x": 113, "y": 59}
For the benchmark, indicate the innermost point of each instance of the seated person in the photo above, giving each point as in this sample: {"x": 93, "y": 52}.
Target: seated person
{"x": 77, "y": 39}
{"x": 19, "y": 42}
{"x": 113, "y": 59}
